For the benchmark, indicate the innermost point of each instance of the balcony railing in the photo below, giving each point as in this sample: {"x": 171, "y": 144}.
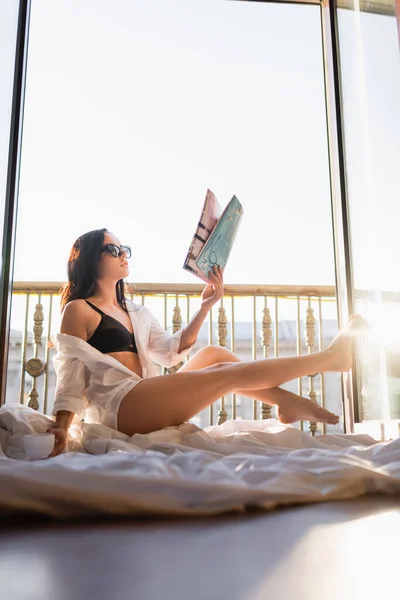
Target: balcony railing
{"x": 263, "y": 333}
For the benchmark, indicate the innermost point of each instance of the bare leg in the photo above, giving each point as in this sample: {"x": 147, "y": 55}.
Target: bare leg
{"x": 172, "y": 399}
{"x": 290, "y": 407}
{"x": 337, "y": 357}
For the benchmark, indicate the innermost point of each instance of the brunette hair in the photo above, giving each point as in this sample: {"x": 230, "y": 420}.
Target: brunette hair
{"x": 83, "y": 269}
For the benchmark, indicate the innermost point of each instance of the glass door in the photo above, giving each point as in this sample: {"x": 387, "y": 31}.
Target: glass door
{"x": 14, "y": 26}
{"x": 370, "y": 80}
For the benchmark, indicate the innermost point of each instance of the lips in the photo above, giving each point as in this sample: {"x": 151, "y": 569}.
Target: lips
{"x": 124, "y": 264}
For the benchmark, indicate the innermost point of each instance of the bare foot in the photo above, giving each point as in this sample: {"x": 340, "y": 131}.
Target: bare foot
{"x": 340, "y": 350}
{"x": 303, "y": 409}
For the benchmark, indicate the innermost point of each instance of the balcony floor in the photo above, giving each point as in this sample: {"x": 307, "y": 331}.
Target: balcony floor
{"x": 346, "y": 549}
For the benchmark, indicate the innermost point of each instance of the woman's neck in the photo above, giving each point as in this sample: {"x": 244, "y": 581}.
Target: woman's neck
{"x": 106, "y": 293}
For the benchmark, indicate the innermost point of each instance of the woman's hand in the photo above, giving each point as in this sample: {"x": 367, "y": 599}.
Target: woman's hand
{"x": 60, "y": 434}
{"x": 214, "y": 290}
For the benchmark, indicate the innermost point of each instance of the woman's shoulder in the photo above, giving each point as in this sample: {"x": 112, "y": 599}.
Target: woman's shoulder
{"x": 75, "y": 317}
{"x": 77, "y": 304}
{"x": 76, "y": 308}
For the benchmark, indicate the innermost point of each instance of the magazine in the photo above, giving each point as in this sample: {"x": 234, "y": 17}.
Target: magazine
{"x": 214, "y": 237}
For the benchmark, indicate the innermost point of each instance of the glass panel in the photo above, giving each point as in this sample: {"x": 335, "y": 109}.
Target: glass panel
{"x": 128, "y": 135}
{"x": 370, "y": 63}
{"x": 8, "y": 36}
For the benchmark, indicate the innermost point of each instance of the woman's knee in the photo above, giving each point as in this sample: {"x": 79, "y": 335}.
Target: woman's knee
{"x": 222, "y": 365}
{"x": 208, "y": 352}
{"x": 216, "y": 354}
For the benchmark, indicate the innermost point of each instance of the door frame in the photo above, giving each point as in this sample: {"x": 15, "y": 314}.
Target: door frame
{"x": 12, "y": 185}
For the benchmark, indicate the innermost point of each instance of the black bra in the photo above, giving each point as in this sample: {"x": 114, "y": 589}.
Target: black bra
{"x": 111, "y": 335}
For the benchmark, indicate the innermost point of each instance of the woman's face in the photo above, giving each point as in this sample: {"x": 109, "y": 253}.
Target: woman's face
{"x": 113, "y": 267}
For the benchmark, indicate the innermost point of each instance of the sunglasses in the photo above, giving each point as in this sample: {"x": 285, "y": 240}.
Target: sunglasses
{"x": 117, "y": 251}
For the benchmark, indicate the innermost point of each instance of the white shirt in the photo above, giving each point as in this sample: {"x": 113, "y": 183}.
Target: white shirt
{"x": 89, "y": 381}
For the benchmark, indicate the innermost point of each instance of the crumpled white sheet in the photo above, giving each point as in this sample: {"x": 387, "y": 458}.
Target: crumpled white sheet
{"x": 187, "y": 470}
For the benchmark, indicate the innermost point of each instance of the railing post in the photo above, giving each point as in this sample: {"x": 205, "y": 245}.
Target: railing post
{"x": 310, "y": 341}
{"x": 176, "y": 326}
{"x": 176, "y": 318}
{"x": 35, "y": 366}
{"x": 222, "y": 326}
{"x": 222, "y": 331}
{"x": 266, "y": 333}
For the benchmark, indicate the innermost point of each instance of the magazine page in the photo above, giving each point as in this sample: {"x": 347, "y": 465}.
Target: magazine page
{"x": 218, "y": 247}
{"x": 210, "y": 214}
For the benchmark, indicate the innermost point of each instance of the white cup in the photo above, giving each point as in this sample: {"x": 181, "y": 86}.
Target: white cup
{"x": 39, "y": 445}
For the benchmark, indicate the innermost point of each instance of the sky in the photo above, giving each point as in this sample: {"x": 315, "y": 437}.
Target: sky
{"x": 134, "y": 108}
{"x": 370, "y": 62}
{"x": 129, "y": 118}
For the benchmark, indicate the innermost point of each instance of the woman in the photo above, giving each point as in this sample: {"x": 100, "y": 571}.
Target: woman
{"x": 107, "y": 347}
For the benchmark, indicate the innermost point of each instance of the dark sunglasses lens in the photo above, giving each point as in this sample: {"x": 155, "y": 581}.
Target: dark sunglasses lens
{"x": 127, "y": 251}
{"x": 113, "y": 249}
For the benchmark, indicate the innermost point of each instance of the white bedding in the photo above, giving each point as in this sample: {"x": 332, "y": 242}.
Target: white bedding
{"x": 186, "y": 470}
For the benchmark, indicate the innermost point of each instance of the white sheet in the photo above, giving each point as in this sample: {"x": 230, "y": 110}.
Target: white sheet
{"x": 186, "y": 470}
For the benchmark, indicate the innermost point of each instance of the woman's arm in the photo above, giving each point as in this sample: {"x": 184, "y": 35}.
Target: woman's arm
{"x": 68, "y": 398}
{"x": 167, "y": 350}
{"x": 64, "y": 419}
{"x": 60, "y": 429}
{"x": 211, "y": 294}
{"x": 162, "y": 346}
{"x": 191, "y": 331}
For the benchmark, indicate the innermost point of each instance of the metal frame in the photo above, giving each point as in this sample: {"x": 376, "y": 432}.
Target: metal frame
{"x": 339, "y": 196}
{"x": 346, "y": 300}
{"x": 281, "y": 1}
{"x": 371, "y": 6}
{"x": 11, "y": 200}
{"x": 338, "y": 185}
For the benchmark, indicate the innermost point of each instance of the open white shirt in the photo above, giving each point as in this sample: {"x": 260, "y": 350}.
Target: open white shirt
{"x": 92, "y": 383}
